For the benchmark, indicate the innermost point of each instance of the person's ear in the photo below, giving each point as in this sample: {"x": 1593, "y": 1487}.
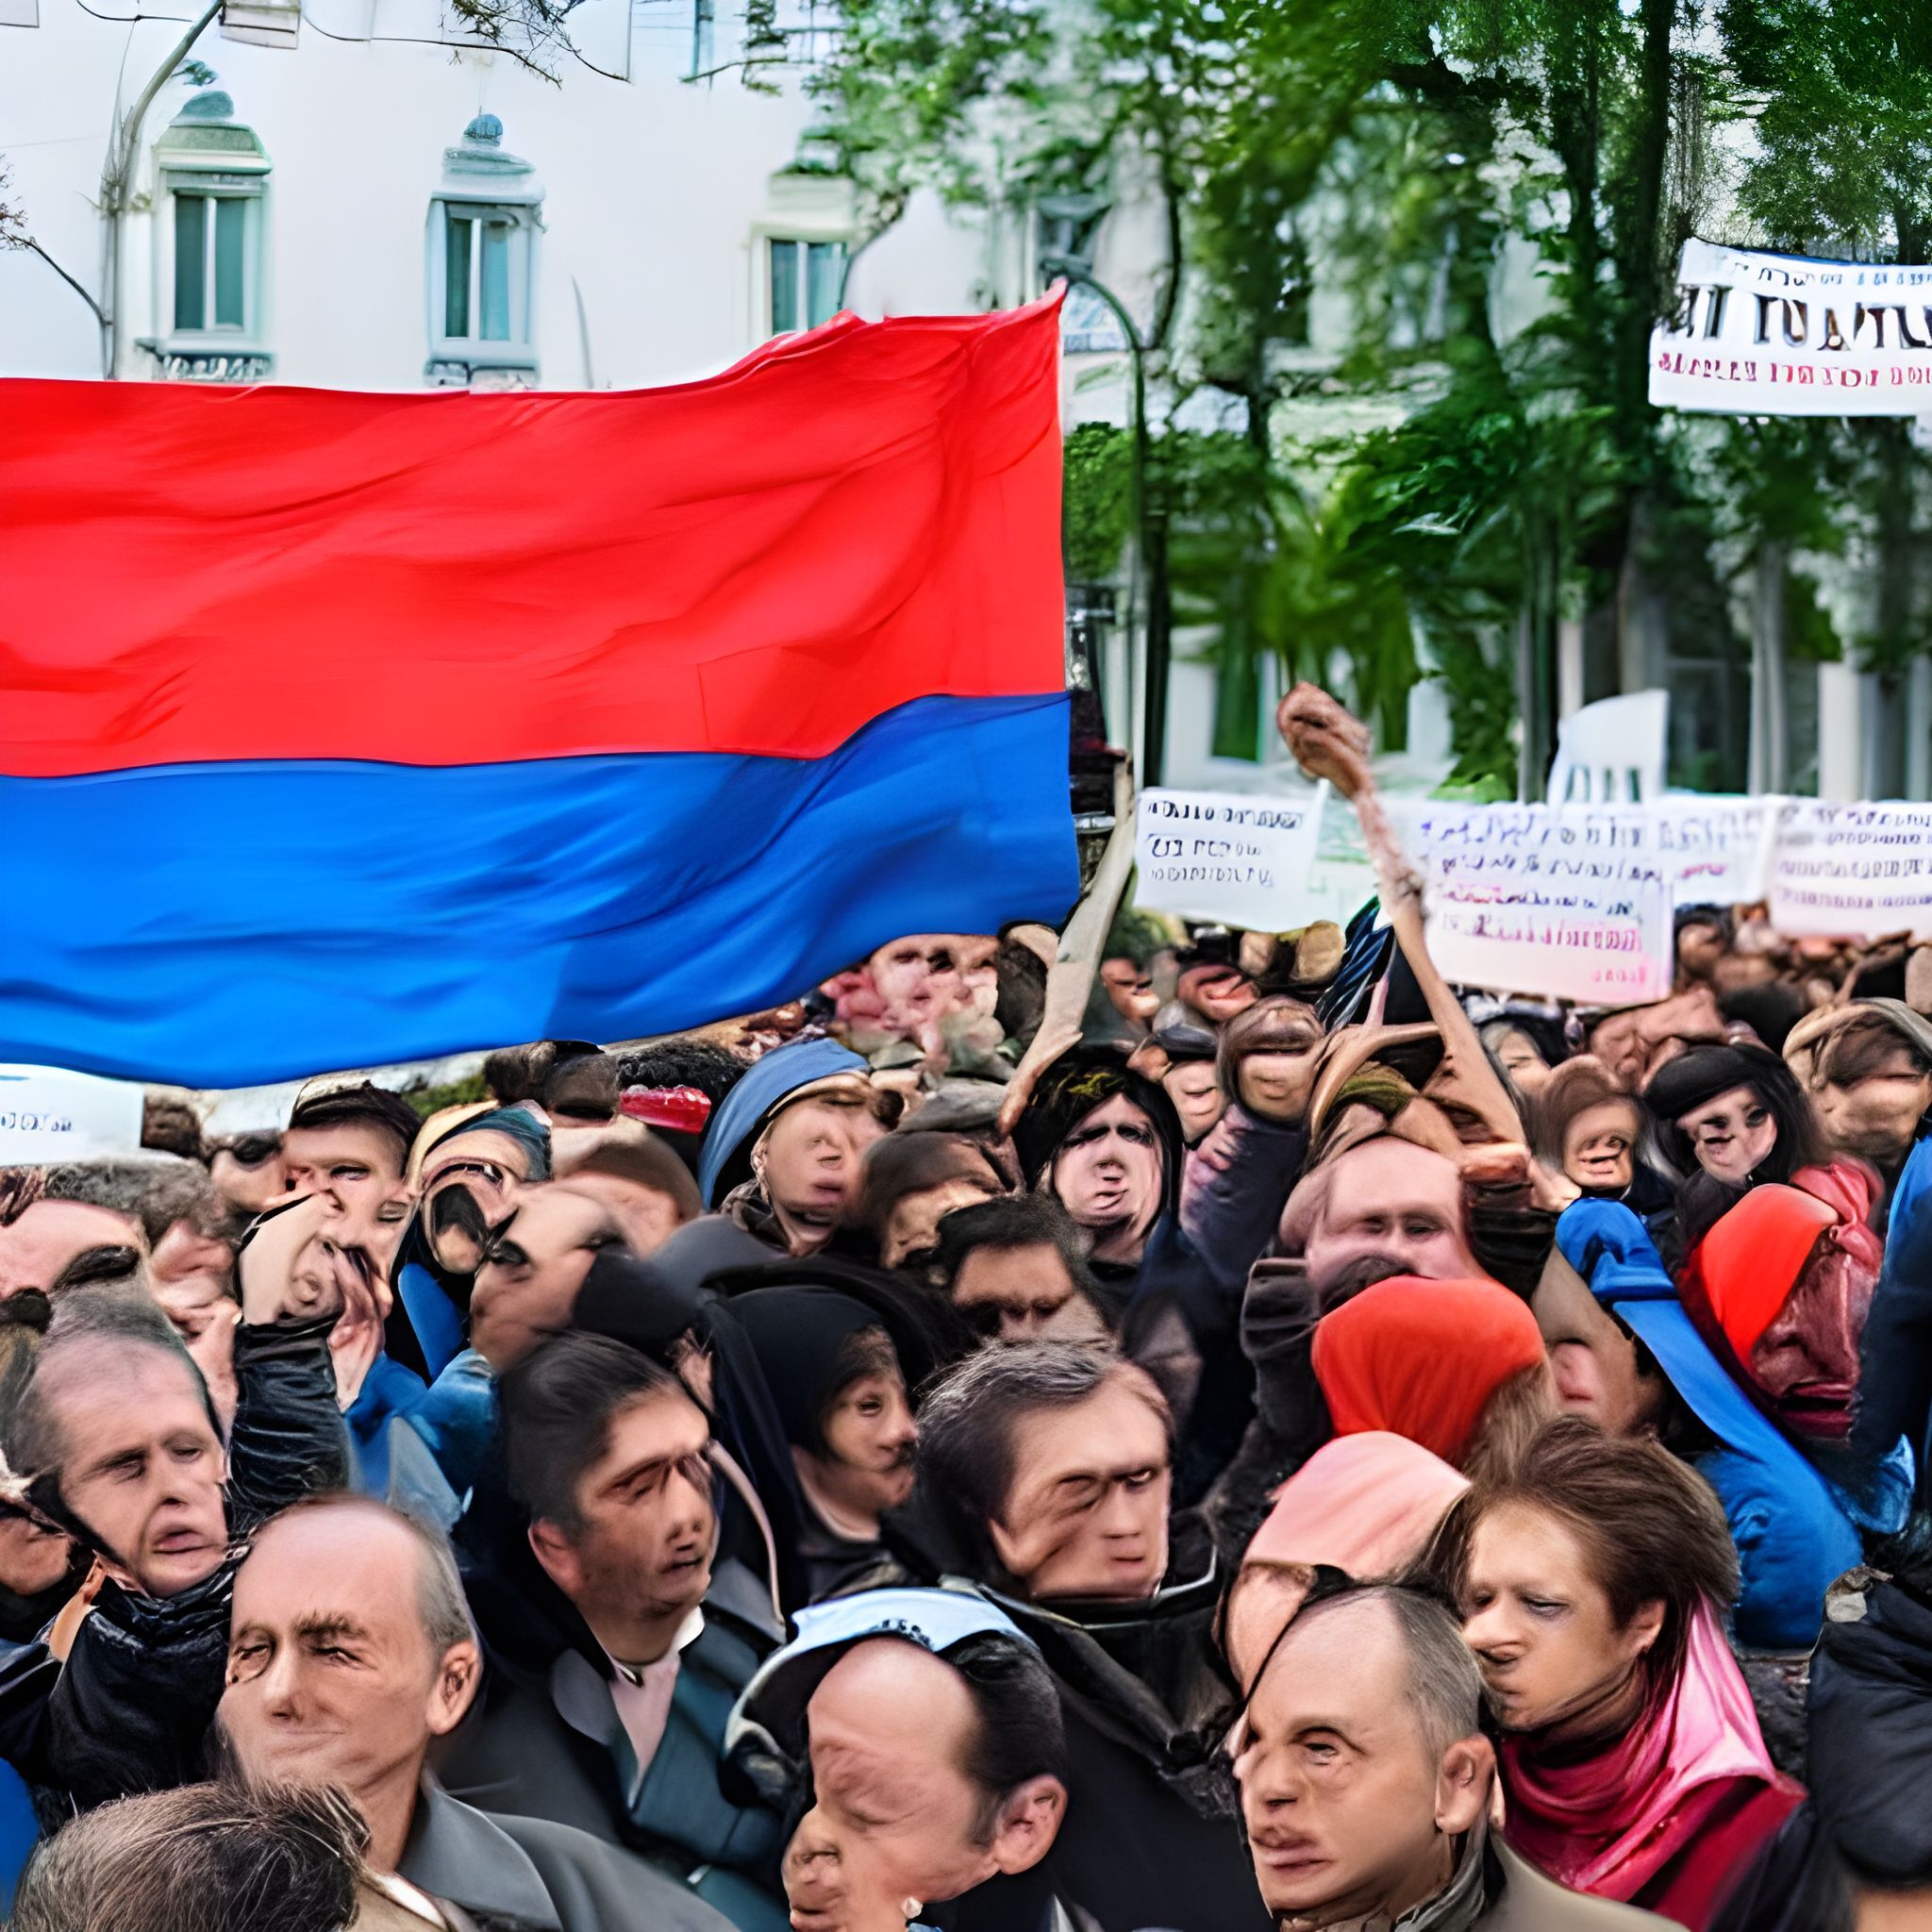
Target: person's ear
{"x": 552, "y": 1549}
{"x": 1645, "y": 1626}
{"x": 1005, "y": 1547}
{"x": 455, "y": 1685}
{"x": 1462, "y": 1784}
{"x": 1029, "y": 1820}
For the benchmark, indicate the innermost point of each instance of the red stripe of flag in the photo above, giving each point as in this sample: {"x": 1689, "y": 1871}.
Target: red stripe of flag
{"x": 762, "y": 562}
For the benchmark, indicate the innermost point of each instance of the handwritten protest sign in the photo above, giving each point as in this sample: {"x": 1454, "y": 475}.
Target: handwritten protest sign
{"x": 1716, "y": 851}
{"x": 47, "y": 1114}
{"x": 1528, "y": 898}
{"x": 1215, "y": 855}
{"x": 1858, "y": 872}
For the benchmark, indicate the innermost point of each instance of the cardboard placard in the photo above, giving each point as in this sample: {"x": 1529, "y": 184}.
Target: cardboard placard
{"x": 47, "y": 1114}
{"x": 1855, "y": 872}
{"x": 1528, "y": 898}
{"x": 1219, "y": 855}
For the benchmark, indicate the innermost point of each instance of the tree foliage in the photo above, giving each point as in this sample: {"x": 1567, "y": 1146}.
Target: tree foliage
{"x": 1496, "y": 191}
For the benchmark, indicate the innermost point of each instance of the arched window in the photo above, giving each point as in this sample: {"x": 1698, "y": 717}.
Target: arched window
{"x": 483, "y": 221}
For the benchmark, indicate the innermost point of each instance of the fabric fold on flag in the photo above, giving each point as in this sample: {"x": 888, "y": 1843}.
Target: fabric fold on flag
{"x": 340, "y": 729}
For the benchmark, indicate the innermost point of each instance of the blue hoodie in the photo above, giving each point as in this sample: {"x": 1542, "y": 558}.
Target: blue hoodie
{"x": 1794, "y": 1538}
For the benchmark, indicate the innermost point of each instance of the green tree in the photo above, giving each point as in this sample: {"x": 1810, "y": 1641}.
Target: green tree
{"x": 1500, "y": 470}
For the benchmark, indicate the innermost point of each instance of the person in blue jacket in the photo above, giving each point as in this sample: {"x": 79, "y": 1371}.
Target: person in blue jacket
{"x": 1895, "y": 1359}
{"x": 1649, "y": 1369}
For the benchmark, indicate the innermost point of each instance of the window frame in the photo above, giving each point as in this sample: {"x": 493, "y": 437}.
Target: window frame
{"x": 211, "y": 339}
{"x": 803, "y": 235}
{"x": 474, "y": 352}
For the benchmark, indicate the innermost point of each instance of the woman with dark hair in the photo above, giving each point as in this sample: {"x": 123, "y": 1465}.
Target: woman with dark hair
{"x": 1730, "y": 1118}
{"x": 1106, "y": 1144}
{"x": 908, "y": 1183}
{"x": 1586, "y": 1126}
{"x": 1736, "y": 1112}
{"x": 1592, "y": 1575}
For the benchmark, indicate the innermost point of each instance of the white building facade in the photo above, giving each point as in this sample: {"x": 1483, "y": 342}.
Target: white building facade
{"x": 356, "y": 194}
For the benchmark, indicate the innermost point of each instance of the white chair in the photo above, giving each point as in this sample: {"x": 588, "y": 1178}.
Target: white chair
{"x": 1611, "y": 752}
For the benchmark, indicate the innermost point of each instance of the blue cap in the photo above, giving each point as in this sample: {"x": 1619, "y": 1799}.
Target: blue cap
{"x": 767, "y": 1084}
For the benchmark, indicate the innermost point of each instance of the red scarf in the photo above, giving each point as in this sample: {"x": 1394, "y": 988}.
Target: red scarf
{"x": 1610, "y": 1824}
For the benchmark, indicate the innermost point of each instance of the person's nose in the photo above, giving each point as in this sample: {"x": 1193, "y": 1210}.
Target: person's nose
{"x": 279, "y": 1688}
{"x": 811, "y": 1862}
{"x": 1270, "y": 1785}
{"x": 690, "y": 1507}
{"x": 1492, "y": 1632}
{"x": 1117, "y": 1516}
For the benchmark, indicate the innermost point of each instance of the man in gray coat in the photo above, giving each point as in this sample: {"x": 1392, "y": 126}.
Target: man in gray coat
{"x": 1365, "y": 1781}
{"x": 350, "y": 1651}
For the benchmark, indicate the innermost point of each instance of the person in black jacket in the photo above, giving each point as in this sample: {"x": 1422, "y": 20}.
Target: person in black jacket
{"x": 111, "y": 1437}
{"x": 1045, "y": 1477}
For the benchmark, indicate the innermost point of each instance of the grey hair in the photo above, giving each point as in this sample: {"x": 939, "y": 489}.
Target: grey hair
{"x": 440, "y": 1605}
{"x": 210, "y": 1858}
{"x": 966, "y": 1422}
{"x": 30, "y": 1436}
{"x": 156, "y": 1190}
{"x": 1446, "y": 1688}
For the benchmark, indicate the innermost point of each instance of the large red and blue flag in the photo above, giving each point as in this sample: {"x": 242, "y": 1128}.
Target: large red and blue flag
{"x": 338, "y": 729}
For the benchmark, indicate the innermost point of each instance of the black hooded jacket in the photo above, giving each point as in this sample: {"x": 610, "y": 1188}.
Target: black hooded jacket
{"x": 130, "y": 1710}
{"x": 1153, "y": 1834}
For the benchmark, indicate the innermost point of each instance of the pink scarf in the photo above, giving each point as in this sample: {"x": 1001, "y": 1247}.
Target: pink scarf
{"x": 1609, "y": 1824}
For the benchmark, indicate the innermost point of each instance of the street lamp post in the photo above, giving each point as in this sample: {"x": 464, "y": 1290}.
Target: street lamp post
{"x": 1150, "y": 530}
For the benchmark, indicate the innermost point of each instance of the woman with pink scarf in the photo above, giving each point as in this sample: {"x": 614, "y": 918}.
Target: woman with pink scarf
{"x": 1592, "y": 1575}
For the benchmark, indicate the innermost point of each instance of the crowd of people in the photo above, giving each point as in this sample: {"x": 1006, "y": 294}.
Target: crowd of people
{"x": 1146, "y": 1428}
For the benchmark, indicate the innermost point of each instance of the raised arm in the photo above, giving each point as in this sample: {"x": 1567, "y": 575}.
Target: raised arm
{"x": 1327, "y": 742}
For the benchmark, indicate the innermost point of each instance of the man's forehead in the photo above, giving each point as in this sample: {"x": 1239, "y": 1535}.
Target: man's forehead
{"x": 338, "y": 1139}
{"x": 1385, "y": 1167}
{"x": 884, "y": 1694}
{"x": 1343, "y": 1664}
{"x": 1111, "y": 1430}
{"x": 97, "y": 1375}
{"x": 660, "y": 1422}
{"x": 341, "y": 1562}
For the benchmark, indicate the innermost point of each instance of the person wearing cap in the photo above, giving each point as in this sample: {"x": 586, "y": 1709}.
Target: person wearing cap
{"x": 926, "y": 1728}
{"x": 349, "y": 1145}
{"x": 1627, "y": 1356}
{"x": 781, "y": 1155}
{"x": 1782, "y": 1288}
{"x": 1868, "y": 1066}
